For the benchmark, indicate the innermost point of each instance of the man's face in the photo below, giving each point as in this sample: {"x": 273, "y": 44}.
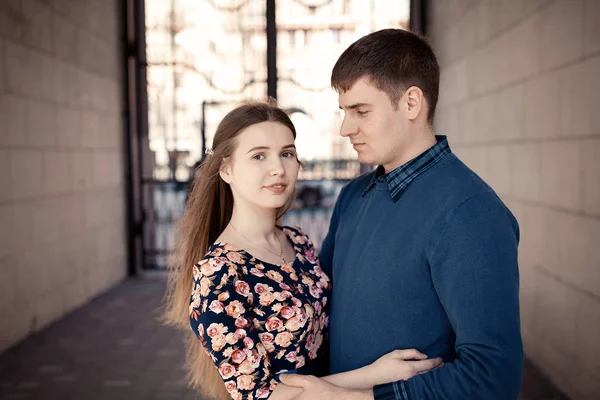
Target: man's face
{"x": 376, "y": 130}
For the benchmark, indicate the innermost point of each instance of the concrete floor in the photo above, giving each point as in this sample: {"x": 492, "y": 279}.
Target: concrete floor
{"x": 115, "y": 348}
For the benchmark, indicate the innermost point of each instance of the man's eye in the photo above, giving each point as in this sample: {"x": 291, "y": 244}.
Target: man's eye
{"x": 362, "y": 113}
{"x": 258, "y": 157}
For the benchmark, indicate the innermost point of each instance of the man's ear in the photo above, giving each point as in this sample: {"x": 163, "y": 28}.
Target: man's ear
{"x": 225, "y": 171}
{"x": 413, "y": 102}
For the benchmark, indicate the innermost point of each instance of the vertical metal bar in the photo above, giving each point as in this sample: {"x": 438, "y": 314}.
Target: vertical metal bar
{"x": 135, "y": 127}
{"x": 271, "y": 50}
{"x": 132, "y": 126}
{"x": 142, "y": 113}
{"x": 127, "y": 142}
{"x": 418, "y": 16}
{"x": 203, "y": 128}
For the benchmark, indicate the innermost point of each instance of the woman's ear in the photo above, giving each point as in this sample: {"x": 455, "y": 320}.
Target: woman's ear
{"x": 225, "y": 171}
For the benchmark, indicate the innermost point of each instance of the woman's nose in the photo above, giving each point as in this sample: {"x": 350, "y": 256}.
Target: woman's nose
{"x": 277, "y": 168}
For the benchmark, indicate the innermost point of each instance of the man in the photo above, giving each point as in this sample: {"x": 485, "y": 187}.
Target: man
{"x": 422, "y": 252}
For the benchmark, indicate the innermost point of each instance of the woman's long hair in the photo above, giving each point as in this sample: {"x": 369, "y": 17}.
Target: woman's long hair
{"x": 207, "y": 213}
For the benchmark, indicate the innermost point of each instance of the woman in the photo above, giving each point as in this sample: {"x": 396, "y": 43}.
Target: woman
{"x": 252, "y": 291}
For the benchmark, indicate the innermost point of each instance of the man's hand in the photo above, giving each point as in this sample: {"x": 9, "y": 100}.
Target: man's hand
{"x": 315, "y": 388}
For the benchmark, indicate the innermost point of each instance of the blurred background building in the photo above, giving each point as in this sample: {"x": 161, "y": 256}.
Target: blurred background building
{"x": 105, "y": 106}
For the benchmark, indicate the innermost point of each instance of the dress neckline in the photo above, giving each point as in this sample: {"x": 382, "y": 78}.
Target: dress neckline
{"x": 237, "y": 249}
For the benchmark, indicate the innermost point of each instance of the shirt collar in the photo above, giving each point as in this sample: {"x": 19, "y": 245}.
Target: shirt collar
{"x": 399, "y": 179}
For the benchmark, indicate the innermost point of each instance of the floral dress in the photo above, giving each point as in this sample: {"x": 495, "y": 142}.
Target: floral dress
{"x": 256, "y": 319}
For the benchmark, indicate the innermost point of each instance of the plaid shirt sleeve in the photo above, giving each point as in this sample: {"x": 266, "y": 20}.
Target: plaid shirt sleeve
{"x": 391, "y": 391}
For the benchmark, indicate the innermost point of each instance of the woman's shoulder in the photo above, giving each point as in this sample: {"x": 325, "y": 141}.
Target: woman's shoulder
{"x": 221, "y": 257}
{"x": 297, "y": 235}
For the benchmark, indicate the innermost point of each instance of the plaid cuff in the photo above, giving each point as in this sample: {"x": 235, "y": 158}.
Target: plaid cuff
{"x": 390, "y": 391}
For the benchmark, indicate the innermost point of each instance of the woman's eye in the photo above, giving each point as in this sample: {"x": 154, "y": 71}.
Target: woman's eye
{"x": 288, "y": 154}
{"x": 258, "y": 157}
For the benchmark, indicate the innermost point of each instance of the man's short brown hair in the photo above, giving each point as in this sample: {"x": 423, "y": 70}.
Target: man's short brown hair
{"x": 392, "y": 60}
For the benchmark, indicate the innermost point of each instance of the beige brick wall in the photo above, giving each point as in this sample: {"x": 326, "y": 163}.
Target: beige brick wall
{"x": 520, "y": 103}
{"x": 62, "y": 229}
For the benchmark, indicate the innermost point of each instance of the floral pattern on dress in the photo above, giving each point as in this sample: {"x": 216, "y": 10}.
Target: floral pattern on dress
{"x": 256, "y": 319}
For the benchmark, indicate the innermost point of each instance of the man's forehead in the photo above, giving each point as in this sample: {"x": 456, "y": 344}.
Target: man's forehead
{"x": 360, "y": 93}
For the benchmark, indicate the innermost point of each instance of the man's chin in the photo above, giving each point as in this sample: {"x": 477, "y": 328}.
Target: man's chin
{"x": 364, "y": 159}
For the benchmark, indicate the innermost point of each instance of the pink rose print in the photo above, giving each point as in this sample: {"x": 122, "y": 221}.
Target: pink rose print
{"x": 238, "y": 356}
{"x": 283, "y": 339}
{"x": 216, "y": 307}
{"x": 235, "y": 257}
{"x": 265, "y": 337}
{"x": 309, "y": 253}
{"x": 262, "y": 393}
{"x": 261, "y": 288}
{"x": 242, "y": 288}
{"x": 288, "y": 269}
{"x": 245, "y": 382}
{"x": 215, "y": 329}
{"x": 226, "y": 370}
{"x": 254, "y": 359}
{"x": 291, "y": 356}
{"x": 240, "y": 334}
{"x": 218, "y": 342}
{"x": 230, "y": 338}
{"x": 206, "y": 269}
{"x": 248, "y": 342}
{"x": 230, "y": 386}
{"x": 246, "y": 367}
{"x": 241, "y": 322}
{"x": 285, "y": 305}
{"x": 196, "y": 271}
{"x": 235, "y": 309}
{"x": 274, "y": 324}
{"x": 276, "y": 276}
{"x": 266, "y": 299}
{"x": 204, "y": 287}
{"x": 287, "y": 312}
{"x": 315, "y": 292}
{"x": 292, "y": 324}
{"x": 224, "y": 296}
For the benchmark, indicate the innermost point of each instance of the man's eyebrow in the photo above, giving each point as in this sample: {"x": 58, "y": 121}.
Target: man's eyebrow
{"x": 288, "y": 146}
{"x": 355, "y": 105}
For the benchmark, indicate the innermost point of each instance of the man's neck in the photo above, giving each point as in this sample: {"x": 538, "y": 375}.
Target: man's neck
{"x": 423, "y": 142}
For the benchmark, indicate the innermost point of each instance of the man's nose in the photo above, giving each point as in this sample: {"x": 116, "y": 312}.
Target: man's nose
{"x": 348, "y": 127}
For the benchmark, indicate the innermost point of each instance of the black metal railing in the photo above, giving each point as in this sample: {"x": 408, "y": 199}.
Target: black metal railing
{"x": 165, "y": 202}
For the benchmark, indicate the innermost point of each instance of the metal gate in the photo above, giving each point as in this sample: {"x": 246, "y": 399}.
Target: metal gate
{"x": 203, "y": 56}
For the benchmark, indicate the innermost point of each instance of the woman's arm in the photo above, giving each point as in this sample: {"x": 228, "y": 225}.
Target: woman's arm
{"x": 392, "y": 367}
{"x": 220, "y": 316}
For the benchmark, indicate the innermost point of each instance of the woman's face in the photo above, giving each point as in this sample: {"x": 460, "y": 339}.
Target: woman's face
{"x": 263, "y": 169}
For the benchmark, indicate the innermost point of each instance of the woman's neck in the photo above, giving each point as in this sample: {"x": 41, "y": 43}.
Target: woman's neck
{"x": 255, "y": 225}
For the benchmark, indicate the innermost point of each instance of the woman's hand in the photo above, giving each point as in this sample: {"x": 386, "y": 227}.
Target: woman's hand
{"x": 401, "y": 365}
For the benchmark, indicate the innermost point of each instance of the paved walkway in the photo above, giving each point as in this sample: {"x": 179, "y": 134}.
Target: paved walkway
{"x": 114, "y": 348}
